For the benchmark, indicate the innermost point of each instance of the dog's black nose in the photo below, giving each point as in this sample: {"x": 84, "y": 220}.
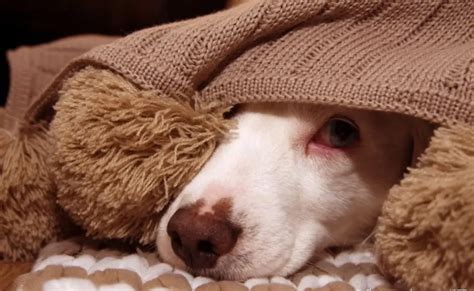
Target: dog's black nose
{"x": 200, "y": 239}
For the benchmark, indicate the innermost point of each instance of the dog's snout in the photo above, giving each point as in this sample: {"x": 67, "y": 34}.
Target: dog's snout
{"x": 200, "y": 239}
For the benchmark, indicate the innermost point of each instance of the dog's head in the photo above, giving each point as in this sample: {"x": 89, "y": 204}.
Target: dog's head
{"x": 291, "y": 180}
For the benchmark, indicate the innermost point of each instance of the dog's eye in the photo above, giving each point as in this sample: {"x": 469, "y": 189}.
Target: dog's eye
{"x": 338, "y": 132}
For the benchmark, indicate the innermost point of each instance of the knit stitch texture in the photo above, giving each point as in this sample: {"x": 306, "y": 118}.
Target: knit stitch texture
{"x": 412, "y": 57}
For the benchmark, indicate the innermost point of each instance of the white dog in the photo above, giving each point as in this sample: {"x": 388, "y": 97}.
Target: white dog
{"x": 291, "y": 180}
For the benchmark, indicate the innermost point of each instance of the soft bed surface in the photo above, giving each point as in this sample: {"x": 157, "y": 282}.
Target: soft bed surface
{"x": 79, "y": 265}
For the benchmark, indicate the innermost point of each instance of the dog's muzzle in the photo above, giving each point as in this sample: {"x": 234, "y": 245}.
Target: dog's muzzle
{"x": 200, "y": 239}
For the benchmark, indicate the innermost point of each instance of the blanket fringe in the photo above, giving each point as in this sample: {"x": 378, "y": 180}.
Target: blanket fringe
{"x": 123, "y": 153}
{"x": 426, "y": 232}
{"x": 29, "y": 215}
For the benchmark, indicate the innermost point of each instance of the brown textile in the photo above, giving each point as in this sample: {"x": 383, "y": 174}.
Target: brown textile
{"x": 29, "y": 214}
{"x": 33, "y": 68}
{"x": 426, "y": 233}
{"x": 413, "y": 57}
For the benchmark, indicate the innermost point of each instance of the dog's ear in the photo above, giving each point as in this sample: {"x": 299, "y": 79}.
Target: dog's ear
{"x": 421, "y": 134}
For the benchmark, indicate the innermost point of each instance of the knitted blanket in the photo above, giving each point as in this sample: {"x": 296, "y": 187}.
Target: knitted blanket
{"x": 83, "y": 150}
{"x": 401, "y": 56}
{"x": 33, "y": 68}
{"x": 79, "y": 265}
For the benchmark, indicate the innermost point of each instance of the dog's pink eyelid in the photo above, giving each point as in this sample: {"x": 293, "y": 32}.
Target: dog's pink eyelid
{"x": 323, "y": 139}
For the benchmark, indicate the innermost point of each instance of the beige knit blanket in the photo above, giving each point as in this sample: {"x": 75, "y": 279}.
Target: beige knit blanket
{"x": 77, "y": 264}
{"x": 409, "y": 57}
{"x": 412, "y": 57}
{"x": 32, "y": 69}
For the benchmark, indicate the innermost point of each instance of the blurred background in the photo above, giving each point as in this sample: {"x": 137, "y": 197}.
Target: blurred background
{"x": 29, "y": 22}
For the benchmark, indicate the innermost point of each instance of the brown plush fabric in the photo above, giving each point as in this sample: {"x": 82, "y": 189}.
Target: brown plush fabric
{"x": 30, "y": 214}
{"x": 156, "y": 143}
{"x": 426, "y": 233}
{"x": 408, "y": 57}
{"x": 27, "y": 191}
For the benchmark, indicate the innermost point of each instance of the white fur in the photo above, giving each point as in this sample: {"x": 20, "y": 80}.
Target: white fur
{"x": 292, "y": 202}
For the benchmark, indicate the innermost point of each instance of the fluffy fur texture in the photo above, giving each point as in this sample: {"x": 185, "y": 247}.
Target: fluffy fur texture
{"x": 30, "y": 216}
{"x": 426, "y": 233}
{"x": 291, "y": 195}
{"x": 122, "y": 155}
